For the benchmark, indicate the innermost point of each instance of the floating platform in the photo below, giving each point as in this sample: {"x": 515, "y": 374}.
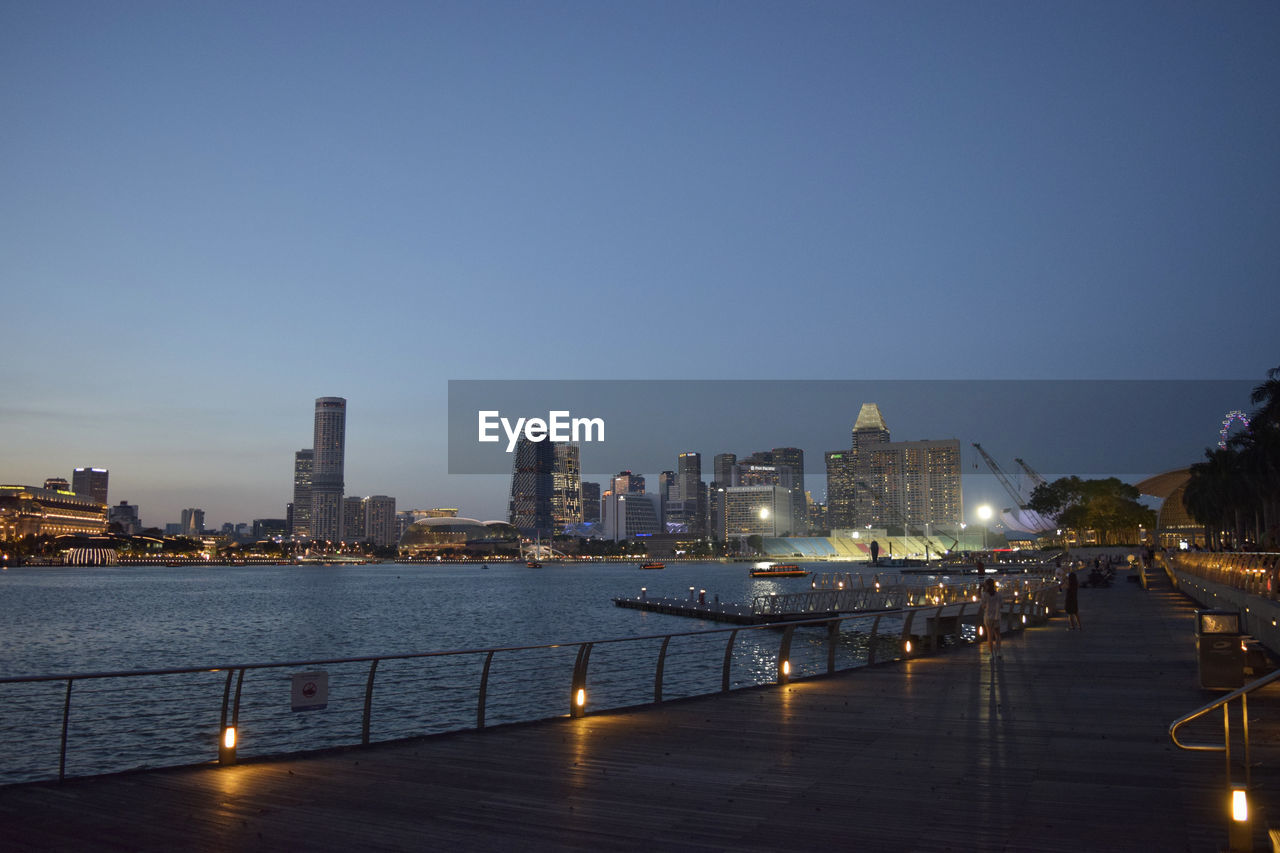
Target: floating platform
{"x": 716, "y": 611}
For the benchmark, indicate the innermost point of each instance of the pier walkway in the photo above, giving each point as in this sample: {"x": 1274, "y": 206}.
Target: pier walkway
{"x": 1060, "y": 745}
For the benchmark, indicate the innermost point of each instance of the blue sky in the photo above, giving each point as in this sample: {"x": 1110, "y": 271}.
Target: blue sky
{"x": 212, "y": 213}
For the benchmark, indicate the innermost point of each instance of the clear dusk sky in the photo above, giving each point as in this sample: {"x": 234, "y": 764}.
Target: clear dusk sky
{"x": 212, "y": 213}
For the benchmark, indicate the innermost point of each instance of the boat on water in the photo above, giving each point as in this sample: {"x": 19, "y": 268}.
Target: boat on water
{"x": 653, "y": 565}
{"x": 780, "y": 570}
{"x": 534, "y": 564}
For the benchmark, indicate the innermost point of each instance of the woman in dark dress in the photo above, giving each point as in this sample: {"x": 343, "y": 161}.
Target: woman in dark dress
{"x": 1072, "y": 605}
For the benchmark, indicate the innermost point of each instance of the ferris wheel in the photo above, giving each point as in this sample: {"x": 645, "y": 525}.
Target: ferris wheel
{"x": 1233, "y": 415}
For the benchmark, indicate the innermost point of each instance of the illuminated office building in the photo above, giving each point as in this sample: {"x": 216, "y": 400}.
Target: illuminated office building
{"x": 546, "y": 487}
{"x": 303, "y": 463}
{"x": 566, "y": 486}
{"x": 879, "y": 482}
{"x": 327, "y": 468}
{"x": 353, "y": 519}
{"x": 625, "y": 515}
{"x": 689, "y": 499}
{"x": 91, "y": 482}
{"x": 756, "y": 510}
{"x": 380, "y": 524}
{"x": 33, "y": 511}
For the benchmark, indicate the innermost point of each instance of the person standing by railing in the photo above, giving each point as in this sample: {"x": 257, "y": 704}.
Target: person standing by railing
{"x": 990, "y": 607}
{"x": 1072, "y": 604}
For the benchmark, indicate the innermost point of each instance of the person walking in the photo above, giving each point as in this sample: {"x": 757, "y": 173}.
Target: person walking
{"x": 1072, "y": 605}
{"x": 990, "y": 608}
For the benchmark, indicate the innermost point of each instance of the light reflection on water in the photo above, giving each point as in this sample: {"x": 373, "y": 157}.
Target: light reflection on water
{"x": 78, "y": 620}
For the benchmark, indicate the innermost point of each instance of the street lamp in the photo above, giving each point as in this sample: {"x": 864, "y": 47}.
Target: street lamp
{"x": 984, "y": 513}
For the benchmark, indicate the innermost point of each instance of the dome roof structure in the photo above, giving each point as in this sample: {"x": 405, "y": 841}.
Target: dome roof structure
{"x": 438, "y": 534}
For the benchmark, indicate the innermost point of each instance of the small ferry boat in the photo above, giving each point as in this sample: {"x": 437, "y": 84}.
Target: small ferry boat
{"x": 780, "y": 570}
{"x": 653, "y": 565}
{"x": 534, "y": 564}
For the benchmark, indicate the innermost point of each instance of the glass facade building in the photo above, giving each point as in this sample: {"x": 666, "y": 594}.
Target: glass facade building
{"x": 327, "y": 483}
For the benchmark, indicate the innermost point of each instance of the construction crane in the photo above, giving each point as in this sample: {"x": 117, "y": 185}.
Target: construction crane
{"x": 1031, "y": 472}
{"x": 1018, "y": 500}
{"x": 1028, "y": 515}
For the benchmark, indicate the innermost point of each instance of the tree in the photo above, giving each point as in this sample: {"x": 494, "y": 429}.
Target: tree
{"x": 1236, "y": 489}
{"x": 1109, "y": 506}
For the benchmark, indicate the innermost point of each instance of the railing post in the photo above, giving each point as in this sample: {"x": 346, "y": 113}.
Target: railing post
{"x": 227, "y": 734}
{"x": 368, "y": 703}
{"x": 484, "y": 690}
{"x": 578, "y": 696}
{"x": 906, "y": 631}
{"x": 833, "y": 638}
{"x": 62, "y": 749}
{"x": 662, "y": 661}
{"x": 728, "y": 657}
{"x": 871, "y": 644}
{"x": 784, "y": 655}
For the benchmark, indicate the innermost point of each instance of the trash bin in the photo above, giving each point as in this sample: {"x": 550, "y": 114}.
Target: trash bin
{"x": 1220, "y": 649}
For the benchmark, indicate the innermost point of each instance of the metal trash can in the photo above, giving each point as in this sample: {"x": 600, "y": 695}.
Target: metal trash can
{"x": 1220, "y": 649}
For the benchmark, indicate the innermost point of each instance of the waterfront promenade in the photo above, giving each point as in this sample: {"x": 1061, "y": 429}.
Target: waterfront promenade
{"x": 1060, "y": 745}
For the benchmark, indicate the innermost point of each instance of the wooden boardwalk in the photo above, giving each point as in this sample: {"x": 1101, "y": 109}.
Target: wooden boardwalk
{"x": 1060, "y": 745}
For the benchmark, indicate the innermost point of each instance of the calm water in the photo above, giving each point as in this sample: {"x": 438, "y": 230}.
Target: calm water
{"x": 62, "y": 620}
{"x": 83, "y": 620}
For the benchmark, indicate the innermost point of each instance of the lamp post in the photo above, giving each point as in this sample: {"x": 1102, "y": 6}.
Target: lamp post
{"x": 984, "y": 513}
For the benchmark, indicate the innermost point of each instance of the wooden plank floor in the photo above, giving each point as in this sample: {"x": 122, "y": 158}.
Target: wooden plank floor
{"x": 1059, "y": 745}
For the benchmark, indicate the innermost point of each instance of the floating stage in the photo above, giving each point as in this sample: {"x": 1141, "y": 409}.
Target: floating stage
{"x": 737, "y": 614}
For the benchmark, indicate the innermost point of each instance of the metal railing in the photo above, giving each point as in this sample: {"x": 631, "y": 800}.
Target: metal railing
{"x": 1224, "y": 703}
{"x": 123, "y": 720}
{"x": 1254, "y": 572}
{"x": 1239, "y": 836}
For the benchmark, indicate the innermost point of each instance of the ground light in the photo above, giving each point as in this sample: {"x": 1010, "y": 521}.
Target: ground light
{"x": 227, "y": 746}
{"x": 1240, "y": 836}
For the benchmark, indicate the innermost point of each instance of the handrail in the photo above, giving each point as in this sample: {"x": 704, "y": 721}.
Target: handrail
{"x": 1029, "y": 601}
{"x": 1220, "y": 702}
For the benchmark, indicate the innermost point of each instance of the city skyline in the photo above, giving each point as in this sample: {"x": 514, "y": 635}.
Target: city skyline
{"x": 491, "y": 500}
{"x": 213, "y": 215}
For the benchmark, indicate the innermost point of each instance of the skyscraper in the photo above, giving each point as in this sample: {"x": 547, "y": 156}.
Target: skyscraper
{"x": 881, "y": 482}
{"x": 546, "y": 487}
{"x": 591, "y": 502}
{"x": 90, "y": 482}
{"x": 627, "y": 483}
{"x": 303, "y": 462}
{"x": 532, "y": 488}
{"x": 691, "y": 493}
{"x": 192, "y": 522}
{"x": 353, "y": 519}
{"x": 566, "y": 487}
{"x": 790, "y": 464}
{"x": 327, "y": 471}
{"x": 869, "y": 428}
{"x": 380, "y": 520}
{"x": 840, "y": 489}
{"x": 722, "y": 469}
